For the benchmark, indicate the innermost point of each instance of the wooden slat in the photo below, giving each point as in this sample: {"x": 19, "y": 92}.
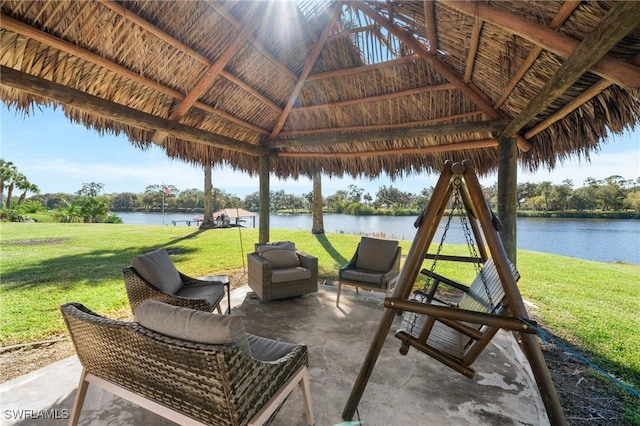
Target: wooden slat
{"x": 487, "y": 143}
{"x": 381, "y": 135}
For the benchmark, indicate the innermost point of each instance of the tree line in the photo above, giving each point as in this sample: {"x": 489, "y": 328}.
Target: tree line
{"x": 91, "y": 204}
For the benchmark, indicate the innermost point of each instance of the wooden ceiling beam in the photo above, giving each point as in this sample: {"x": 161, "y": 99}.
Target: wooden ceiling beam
{"x": 473, "y": 93}
{"x": 608, "y": 66}
{"x": 473, "y": 49}
{"x": 363, "y": 68}
{"x": 430, "y": 22}
{"x": 147, "y": 26}
{"x": 110, "y": 110}
{"x": 585, "y": 97}
{"x": 470, "y": 145}
{"x": 210, "y": 75}
{"x": 16, "y": 26}
{"x": 379, "y": 98}
{"x": 376, "y": 127}
{"x": 255, "y": 43}
{"x": 306, "y": 69}
{"x": 616, "y": 24}
{"x": 563, "y": 14}
{"x": 390, "y": 134}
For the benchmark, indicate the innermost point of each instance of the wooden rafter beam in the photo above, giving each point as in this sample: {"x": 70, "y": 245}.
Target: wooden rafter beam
{"x": 218, "y": 7}
{"x": 608, "y": 66}
{"x": 306, "y": 70}
{"x": 377, "y": 127}
{"x": 147, "y": 26}
{"x": 586, "y": 96}
{"x": 563, "y": 14}
{"x": 473, "y": 93}
{"x": 383, "y": 135}
{"x": 210, "y": 75}
{"x": 19, "y": 27}
{"x": 120, "y": 113}
{"x": 473, "y": 49}
{"x": 363, "y": 68}
{"x": 430, "y": 22}
{"x": 471, "y": 145}
{"x": 378, "y": 98}
{"x": 616, "y": 24}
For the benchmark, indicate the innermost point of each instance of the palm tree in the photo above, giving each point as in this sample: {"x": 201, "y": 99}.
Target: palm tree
{"x": 318, "y": 222}
{"x": 8, "y": 172}
{"x": 207, "y": 221}
{"x": 25, "y": 186}
{"x": 93, "y": 209}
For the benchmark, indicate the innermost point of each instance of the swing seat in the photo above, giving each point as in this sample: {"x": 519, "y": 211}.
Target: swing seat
{"x": 456, "y": 334}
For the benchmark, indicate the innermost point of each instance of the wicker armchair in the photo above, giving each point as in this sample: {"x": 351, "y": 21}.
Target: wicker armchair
{"x": 277, "y": 270}
{"x": 154, "y": 276}
{"x": 184, "y": 381}
{"x": 374, "y": 266}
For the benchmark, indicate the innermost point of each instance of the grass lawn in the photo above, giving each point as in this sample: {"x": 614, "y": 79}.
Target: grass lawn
{"x": 43, "y": 265}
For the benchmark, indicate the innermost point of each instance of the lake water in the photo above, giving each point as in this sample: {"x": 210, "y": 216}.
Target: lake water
{"x": 605, "y": 240}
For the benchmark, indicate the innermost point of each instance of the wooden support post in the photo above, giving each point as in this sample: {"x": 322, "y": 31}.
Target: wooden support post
{"x": 429, "y": 220}
{"x": 507, "y": 194}
{"x": 263, "y": 171}
{"x": 530, "y": 345}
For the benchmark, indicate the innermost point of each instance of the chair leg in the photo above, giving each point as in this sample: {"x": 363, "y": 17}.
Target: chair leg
{"x": 219, "y": 309}
{"x": 338, "y": 297}
{"x": 306, "y": 396}
{"x": 81, "y": 392}
{"x": 301, "y": 377}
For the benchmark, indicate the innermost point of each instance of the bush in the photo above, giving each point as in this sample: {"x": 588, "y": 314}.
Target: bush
{"x": 113, "y": 218}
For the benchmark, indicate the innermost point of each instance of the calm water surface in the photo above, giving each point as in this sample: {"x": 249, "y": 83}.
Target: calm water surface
{"x": 605, "y": 240}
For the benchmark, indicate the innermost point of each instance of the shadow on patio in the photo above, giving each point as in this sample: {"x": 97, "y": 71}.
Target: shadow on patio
{"x": 403, "y": 390}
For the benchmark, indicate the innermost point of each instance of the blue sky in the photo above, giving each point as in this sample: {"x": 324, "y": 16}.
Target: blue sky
{"x": 60, "y": 156}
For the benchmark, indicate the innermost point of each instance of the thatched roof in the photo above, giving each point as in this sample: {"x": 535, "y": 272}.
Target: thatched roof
{"x": 361, "y": 88}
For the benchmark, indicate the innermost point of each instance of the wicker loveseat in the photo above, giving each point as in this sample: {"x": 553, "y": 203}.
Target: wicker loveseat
{"x": 186, "y": 381}
{"x": 277, "y": 270}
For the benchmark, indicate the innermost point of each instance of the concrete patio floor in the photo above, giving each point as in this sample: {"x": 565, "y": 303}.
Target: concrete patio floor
{"x": 402, "y": 390}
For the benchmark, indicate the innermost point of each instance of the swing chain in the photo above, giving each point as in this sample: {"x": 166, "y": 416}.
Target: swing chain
{"x": 427, "y": 282}
{"x": 472, "y": 249}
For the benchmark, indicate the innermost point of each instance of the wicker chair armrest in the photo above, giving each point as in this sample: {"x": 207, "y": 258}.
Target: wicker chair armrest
{"x": 307, "y": 261}
{"x": 188, "y": 281}
{"x": 257, "y": 261}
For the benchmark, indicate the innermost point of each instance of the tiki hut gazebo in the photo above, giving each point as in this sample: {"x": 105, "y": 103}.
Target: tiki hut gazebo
{"x": 359, "y": 88}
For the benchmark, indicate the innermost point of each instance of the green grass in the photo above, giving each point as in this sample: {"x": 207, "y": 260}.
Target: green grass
{"x": 43, "y": 265}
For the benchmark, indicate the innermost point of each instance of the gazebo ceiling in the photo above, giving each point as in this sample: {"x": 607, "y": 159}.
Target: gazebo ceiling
{"x": 362, "y": 88}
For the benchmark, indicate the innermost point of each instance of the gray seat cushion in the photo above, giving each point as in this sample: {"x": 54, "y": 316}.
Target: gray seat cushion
{"x": 281, "y": 259}
{"x": 192, "y": 325}
{"x": 376, "y": 255}
{"x": 265, "y": 349}
{"x": 290, "y": 274}
{"x": 211, "y": 293}
{"x": 277, "y": 245}
{"x": 359, "y": 275}
{"x": 157, "y": 269}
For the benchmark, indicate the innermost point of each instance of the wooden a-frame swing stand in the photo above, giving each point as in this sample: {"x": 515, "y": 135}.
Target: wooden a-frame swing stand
{"x": 517, "y": 319}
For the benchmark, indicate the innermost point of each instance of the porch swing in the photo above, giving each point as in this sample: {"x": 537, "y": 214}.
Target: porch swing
{"x": 457, "y": 342}
{"x": 457, "y": 333}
